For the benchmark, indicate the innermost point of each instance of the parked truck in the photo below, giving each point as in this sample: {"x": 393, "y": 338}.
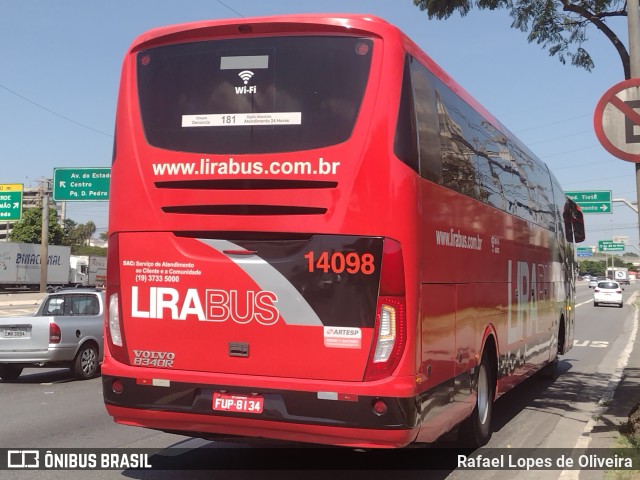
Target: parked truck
{"x": 88, "y": 270}
{"x": 619, "y": 274}
{"x": 20, "y": 265}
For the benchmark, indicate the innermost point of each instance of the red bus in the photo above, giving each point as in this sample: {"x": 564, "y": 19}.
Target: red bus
{"x": 316, "y": 235}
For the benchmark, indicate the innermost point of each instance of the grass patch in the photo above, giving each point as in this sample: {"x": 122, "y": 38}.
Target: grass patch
{"x": 627, "y": 445}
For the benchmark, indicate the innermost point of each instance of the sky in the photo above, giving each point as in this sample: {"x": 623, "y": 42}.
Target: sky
{"x": 60, "y": 67}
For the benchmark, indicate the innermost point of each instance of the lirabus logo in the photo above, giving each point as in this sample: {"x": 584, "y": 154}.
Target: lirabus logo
{"x": 212, "y": 305}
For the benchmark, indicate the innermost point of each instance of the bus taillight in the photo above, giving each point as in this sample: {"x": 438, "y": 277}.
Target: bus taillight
{"x": 114, "y": 338}
{"x": 114, "y": 321}
{"x": 391, "y": 330}
{"x": 389, "y": 338}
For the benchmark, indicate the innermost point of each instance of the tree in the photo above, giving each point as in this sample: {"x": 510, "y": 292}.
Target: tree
{"x": 592, "y": 267}
{"x": 69, "y": 233}
{"x": 88, "y": 229}
{"x": 29, "y": 229}
{"x": 557, "y": 25}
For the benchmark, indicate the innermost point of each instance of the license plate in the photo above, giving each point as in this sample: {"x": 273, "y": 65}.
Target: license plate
{"x": 224, "y": 402}
{"x": 15, "y": 333}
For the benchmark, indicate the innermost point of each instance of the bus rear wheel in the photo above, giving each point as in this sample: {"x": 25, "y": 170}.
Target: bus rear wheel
{"x": 476, "y": 430}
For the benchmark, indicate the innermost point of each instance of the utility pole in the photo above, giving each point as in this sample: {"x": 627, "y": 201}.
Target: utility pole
{"x": 633, "y": 19}
{"x": 44, "y": 246}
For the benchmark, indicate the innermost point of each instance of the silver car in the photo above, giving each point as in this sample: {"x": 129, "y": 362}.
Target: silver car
{"x": 67, "y": 330}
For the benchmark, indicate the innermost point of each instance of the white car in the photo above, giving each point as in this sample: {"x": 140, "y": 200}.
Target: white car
{"x": 608, "y": 292}
{"x": 593, "y": 283}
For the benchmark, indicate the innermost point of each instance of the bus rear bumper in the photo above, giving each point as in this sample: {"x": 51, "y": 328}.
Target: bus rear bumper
{"x": 291, "y": 415}
{"x": 206, "y": 426}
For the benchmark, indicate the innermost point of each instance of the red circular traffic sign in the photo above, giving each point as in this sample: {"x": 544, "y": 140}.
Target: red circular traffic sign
{"x": 617, "y": 120}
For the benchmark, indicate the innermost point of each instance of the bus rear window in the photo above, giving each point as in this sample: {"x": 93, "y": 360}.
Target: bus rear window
{"x": 255, "y": 95}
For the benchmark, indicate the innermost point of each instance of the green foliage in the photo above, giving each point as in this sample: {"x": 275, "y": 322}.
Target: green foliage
{"x": 592, "y": 267}
{"x": 84, "y": 250}
{"x": 29, "y": 229}
{"x": 71, "y": 234}
{"x": 560, "y": 26}
{"x": 76, "y": 234}
{"x": 599, "y": 267}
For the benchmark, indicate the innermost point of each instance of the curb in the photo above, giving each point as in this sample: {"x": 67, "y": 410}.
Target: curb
{"x": 17, "y": 299}
{"x": 621, "y": 396}
{"x": 16, "y": 303}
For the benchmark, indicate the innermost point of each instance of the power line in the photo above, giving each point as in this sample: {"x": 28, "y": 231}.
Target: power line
{"x": 552, "y": 123}
{"x": 559, "y": 138}
{"x": 597, "y": 179}
{"x": 580, "y": 165}
{"x": 569, "y": 151}
{"x": 22, "y": 97}
{"x": 228, "y": 7}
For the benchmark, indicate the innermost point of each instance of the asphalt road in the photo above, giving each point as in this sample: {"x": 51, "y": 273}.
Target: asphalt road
{"x": 47, "y": 409}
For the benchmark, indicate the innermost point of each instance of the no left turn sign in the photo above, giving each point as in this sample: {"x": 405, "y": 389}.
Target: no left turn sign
{"x": 617, "y": 120}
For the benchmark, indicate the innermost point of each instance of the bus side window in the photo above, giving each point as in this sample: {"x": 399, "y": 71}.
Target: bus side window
{"x": 417, "y": 140}
{"x": 428, "y": 122}
{"x": 405, "y": 144}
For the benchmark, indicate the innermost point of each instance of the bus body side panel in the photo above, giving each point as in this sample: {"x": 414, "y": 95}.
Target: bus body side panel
{"x": 500, "y": 273}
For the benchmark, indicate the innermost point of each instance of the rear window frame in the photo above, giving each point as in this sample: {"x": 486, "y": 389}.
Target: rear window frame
{"x": 320, "y": 126}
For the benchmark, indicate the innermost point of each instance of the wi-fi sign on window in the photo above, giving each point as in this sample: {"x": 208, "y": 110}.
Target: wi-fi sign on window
{"x": 246, "y": 75}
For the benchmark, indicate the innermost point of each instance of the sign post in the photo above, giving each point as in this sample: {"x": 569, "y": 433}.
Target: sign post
{"x": 81, "y": 184}
{"x": 617, "y": 116}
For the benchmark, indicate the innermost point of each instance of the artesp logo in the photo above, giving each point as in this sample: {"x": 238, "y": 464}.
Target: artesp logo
{"x": 335, "y": 337}
{"x": 343, "y": 331}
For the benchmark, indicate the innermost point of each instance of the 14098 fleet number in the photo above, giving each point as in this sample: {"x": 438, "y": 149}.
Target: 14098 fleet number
{"x": 338, "y": 262}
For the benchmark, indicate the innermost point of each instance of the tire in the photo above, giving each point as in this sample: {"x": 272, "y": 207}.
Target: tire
{"x": 85, "y": 365}
{"x": 595, "y": 304}
{"x": 10, "y": 372}
{"x": 476, "y": 431}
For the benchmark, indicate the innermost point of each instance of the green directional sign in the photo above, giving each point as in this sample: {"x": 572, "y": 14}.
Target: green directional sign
{"x": 11, "y": 202}
{"x": 610, "y": 246}
{"x": 592, "y": 201}
{"x": 584, "y": 251}
{"x": 81, "y": 184}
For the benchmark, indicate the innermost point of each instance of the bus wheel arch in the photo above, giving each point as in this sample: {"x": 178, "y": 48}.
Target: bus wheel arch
{"x": 476, "y": 430}
{"x": 562, "y": 331}
{"x": 551, "y": 370}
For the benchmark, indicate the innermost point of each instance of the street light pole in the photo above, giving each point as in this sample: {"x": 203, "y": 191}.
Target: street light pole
{"x": 633, "y": 20}
{"x": 44, "y": 246}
